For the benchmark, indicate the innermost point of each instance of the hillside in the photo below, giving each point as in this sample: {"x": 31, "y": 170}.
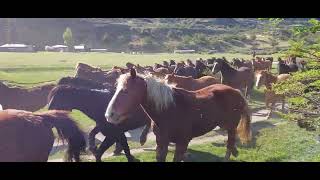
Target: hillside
{"x": 149, "y": 34}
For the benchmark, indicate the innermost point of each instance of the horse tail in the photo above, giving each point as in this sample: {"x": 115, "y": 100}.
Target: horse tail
{"x": 244, "y": 126}
{"x": 68, "y": 130}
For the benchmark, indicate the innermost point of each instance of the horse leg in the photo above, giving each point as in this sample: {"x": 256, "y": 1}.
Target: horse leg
{"x": 118, "y": 149}
{"x": 92, "y": 144}
{"x": 144, "y": 134}
{"x": 124, "y": 143}
{"x": 271, "y": 110}
{"x": 162, "y": 149}
{"x": 231, "y": 144}
{"x": 107, "y": 142}
{"x": 246, "y": 91}
{"x": 180, "y": 152}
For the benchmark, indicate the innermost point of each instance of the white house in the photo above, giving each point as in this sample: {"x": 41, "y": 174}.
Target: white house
{"x": 16, "y": 48}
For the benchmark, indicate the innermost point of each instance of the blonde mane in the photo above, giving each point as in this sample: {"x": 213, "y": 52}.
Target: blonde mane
{"x": 159, "y": 91}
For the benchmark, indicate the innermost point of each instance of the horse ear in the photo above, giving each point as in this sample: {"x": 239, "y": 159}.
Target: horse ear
{"x": 133, "y": 73}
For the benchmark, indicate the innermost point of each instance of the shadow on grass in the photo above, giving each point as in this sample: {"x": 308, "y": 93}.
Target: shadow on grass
{"x": 256, "y": 127}
{"x": 200, "y": 156}
{"x": 276, "y": 159}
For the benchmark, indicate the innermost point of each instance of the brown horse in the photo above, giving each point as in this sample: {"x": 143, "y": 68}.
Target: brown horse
{"x": 272, "y": 97}
{"x": 267, "y": 79}
{"x": 261, "y": 65}
{"x": 189, "y": 83}
{"x": 28, "y": 137}
{"x": 87, "y": 67}
{"x": 101, "y": 77}
{"x": 29, "y": 99}
{"x": 195, "y": 112}
{"x": 242, "y": 78}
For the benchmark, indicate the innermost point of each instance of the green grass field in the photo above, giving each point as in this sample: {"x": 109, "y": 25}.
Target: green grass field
{"x": 282, "y": 143}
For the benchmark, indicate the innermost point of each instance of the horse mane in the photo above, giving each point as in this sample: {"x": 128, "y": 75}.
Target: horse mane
{"x": 160, "y": 93}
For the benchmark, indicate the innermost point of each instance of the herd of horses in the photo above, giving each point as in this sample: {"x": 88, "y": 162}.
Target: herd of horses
{"x": 175, "y": 100}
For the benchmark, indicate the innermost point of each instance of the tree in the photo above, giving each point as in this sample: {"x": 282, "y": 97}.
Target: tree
{"x": 68, "y": 38}
{"x": 302, "y": 90}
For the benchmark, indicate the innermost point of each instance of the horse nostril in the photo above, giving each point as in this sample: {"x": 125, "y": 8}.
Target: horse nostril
{"x": 111, "y": 114}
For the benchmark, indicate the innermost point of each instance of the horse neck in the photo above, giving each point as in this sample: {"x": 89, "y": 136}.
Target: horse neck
{"x": 227, "y": 71}
{"x": 90, "y": 107}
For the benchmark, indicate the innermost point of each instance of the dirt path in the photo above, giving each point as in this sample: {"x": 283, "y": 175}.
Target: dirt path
{"x": 259, "y": 121}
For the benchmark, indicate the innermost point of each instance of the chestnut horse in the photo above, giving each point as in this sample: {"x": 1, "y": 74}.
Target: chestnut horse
{"x": 266, "y": 78}
{"x": 261, "y": 65}
{"x": 28, "y": 137}
{"x": 93, "y": 103}
{"x": 189, "y": 83}
{"x": 272, "y": 97}
{"x": 28, "y": 99}
{"x": 236, "y": 78}
{"x": 195, "y": 112}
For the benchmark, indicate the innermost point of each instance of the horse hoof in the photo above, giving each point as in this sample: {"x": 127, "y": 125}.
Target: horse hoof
{"x": 133, "y": 159}
{"x": 235, "y": 153}
{"x": 143, "y": 141}
{"x": 227, "y": 156}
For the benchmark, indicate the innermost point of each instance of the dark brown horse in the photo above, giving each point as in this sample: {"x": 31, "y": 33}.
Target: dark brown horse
{"x": 102, "y": 77}
{"x": 238, "y": 63}
{"x": 28, "y": 99}
{"x": 190, "y": 63}
{"x": 242, "y": 78}
{"x": 93, "y": 103}
{"x": 85, "y": 83}
{"x": 28, "y": 137}
{"x": 284, "y": 68}
{"x": 165, "y": 63}
{"x": 183, "y": 70}
{"x": 195, "y": 112}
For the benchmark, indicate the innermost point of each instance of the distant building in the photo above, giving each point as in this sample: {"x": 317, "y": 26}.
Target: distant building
{"x": 184, "y": 51}
{"x": 98, "y": 50}
{"x": 17, "y": 48}
{"x": 57, "y": 48}
{"x": 81, "y": 48}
